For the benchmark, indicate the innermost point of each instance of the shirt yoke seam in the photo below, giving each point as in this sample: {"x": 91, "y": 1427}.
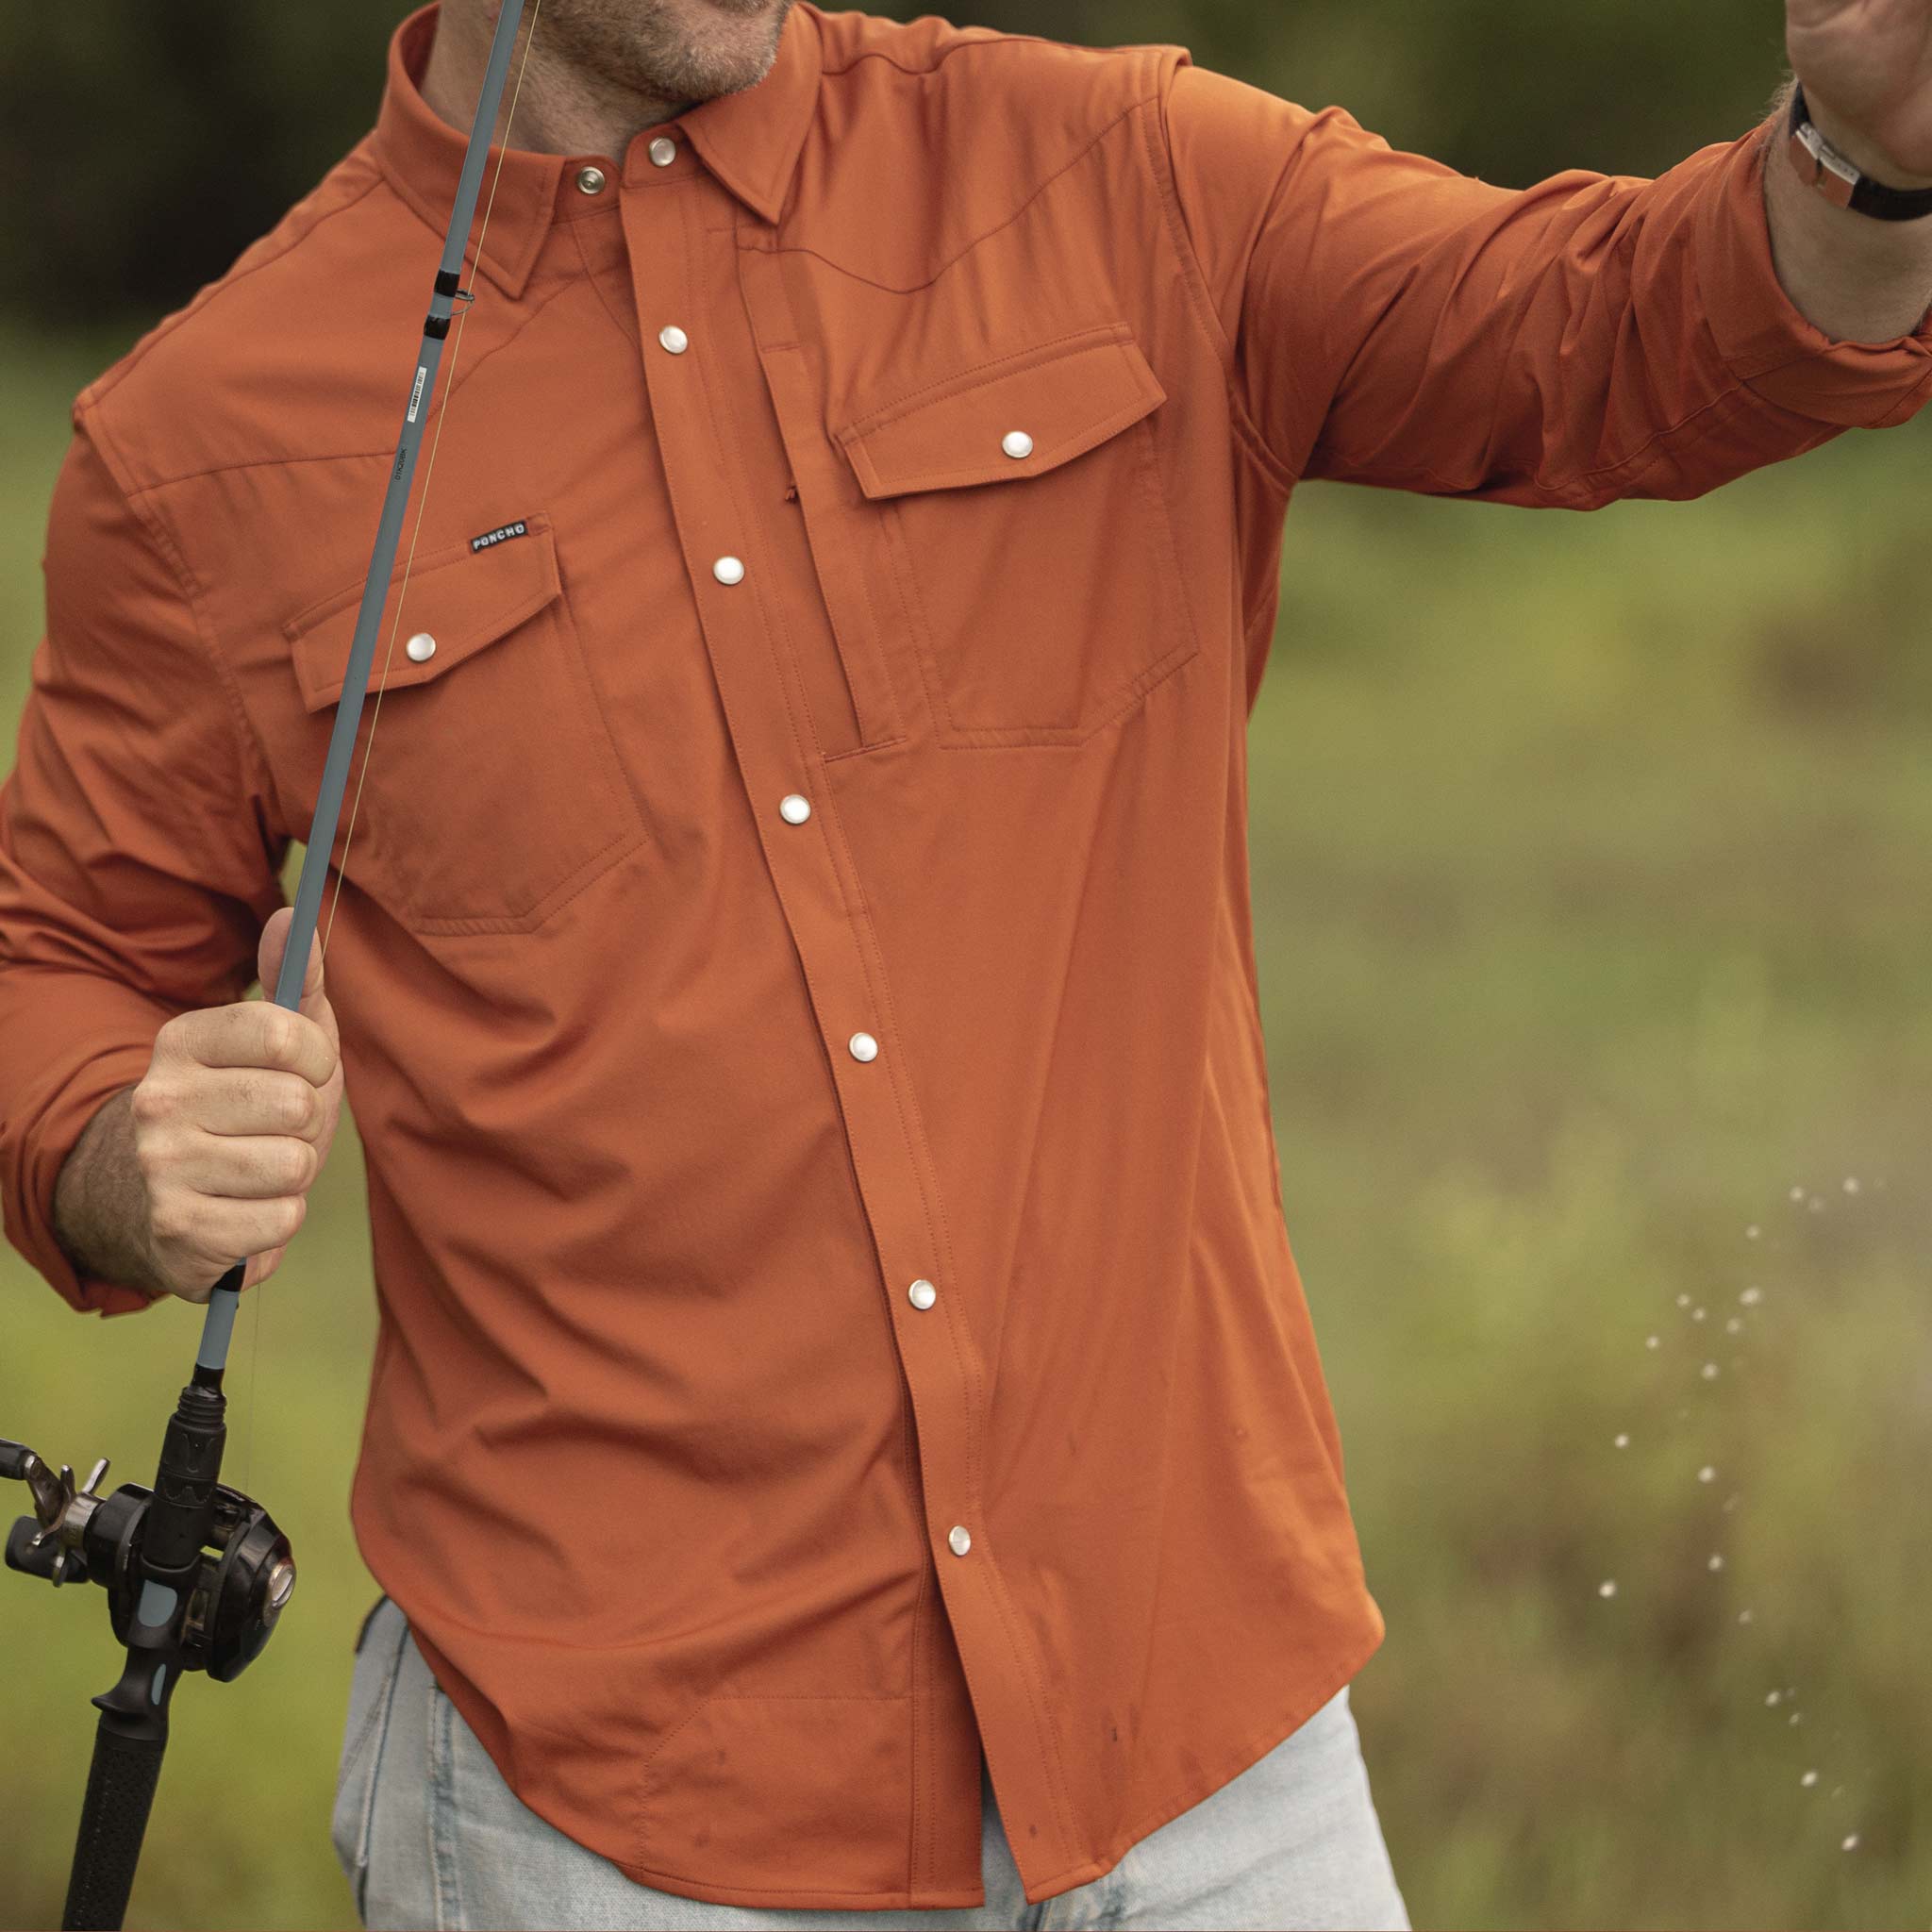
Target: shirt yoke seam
{"x": 966, "y": 248}
{"x": 280, "y": 462}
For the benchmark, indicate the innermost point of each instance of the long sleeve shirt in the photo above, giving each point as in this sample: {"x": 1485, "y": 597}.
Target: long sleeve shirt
{"x": 795, "y": 961}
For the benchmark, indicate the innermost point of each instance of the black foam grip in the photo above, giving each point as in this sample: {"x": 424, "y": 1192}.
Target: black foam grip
{"x": 120, "y": 1791}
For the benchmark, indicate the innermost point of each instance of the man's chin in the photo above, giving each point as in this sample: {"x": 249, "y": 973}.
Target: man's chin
{"x": 738, "y": 49}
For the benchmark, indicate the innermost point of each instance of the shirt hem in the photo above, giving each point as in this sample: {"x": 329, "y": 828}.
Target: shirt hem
{"x": 1342, "y": 1669}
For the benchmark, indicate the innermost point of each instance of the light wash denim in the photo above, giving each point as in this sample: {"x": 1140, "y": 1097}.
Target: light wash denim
{"x": 431, "y": 1837}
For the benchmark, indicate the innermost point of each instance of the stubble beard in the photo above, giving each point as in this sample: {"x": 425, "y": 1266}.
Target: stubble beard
{"x": 674, "y": 50}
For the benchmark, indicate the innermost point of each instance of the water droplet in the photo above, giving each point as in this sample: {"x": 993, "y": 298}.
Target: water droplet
{"x": 1697, "y": 1314}
{"x": 1851, "y": 1184}
{"x": 1751, "y": 1232}
{"x": 1816, "y": 1203}
{"x": 1745, "y": 1616}
{"x": 1651, "y": 1341}
{"x": 1809, "y": 1779}
{"x": 1708, "y": 1372}
{"x": 1752, "y": 1296}
{"x": 1735, "y": 1325}
{"x": 1707, "y": 1474}
{"x": 1623, "y": 1441}
{"x": 1797, "y": 1717}
{"x": 1851, "y": 1843}
{"x": 1683, "y": 1301}
{"x": 1771, "y": 1697}
{"x": 1717, "y": 1562}
{"x": 1608, "y": 1586}
{"x": 1797, "y": 1193}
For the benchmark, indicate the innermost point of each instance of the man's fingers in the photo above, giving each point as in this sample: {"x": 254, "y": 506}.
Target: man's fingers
{"x": 191, "y": 1232}
{"x": 257, "y": 1033}
{"x": 245, "y": 1167}
{"x": 251, "y": 1100}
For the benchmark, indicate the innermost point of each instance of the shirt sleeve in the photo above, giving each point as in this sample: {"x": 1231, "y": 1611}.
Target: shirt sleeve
{"x": 1389, "y": 321}
{"x": 136, "y": 863}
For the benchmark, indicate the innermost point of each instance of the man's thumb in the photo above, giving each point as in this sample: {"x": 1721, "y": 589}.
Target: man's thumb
{"x": 275, "y": 945}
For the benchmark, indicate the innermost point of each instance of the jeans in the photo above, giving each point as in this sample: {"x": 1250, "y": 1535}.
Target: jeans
{"x": 431, "y": 1837}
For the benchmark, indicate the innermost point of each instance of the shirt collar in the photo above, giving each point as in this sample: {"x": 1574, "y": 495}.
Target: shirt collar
{"x": 750, "y": 141}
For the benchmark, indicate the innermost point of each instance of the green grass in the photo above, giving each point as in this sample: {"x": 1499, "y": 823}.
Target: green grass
{"x": 1591, "y": 879}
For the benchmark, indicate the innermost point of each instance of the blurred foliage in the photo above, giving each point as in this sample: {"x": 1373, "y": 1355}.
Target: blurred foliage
{"x": 117, "y": 116}
{"x": 1590, "y": 886}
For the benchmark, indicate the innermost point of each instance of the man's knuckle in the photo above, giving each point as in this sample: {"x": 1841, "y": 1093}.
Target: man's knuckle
{"x": 168, "y": 1219}
{"x": 277, "y": 1037}
{"x": 152, "y": 1155}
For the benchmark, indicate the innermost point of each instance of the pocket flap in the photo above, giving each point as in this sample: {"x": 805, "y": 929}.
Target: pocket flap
{"x": 461, "y": 598}
{"x": 1061, "y": 397}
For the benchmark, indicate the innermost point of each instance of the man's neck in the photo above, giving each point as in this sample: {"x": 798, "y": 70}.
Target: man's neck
{"x": 560, "y": 108}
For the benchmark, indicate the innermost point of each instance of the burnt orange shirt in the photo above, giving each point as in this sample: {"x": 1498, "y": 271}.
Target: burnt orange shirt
{"x": 836, "y": 1310}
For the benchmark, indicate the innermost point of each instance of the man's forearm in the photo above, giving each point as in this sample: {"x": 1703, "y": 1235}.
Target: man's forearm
{"x": 1858, "y": 279}
{"x": 100, "y": 1201}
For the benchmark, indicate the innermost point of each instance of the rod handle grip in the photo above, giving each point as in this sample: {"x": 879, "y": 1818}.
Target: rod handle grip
{"x": 120, "y": 1792}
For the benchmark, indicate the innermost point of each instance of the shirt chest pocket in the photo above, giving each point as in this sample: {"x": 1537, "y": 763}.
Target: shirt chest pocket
{"x": 491, "y": 793}
{"x": 1023, "y": 537}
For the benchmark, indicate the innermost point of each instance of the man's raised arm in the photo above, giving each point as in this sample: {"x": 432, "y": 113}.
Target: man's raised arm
{"x": 1389, "y": 321}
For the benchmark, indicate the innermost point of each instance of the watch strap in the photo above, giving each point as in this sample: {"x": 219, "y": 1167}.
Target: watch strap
{"x": 1821, "y": 166}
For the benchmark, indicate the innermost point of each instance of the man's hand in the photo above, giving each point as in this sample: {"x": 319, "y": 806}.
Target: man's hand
{"x": 1867, "y": 69}
{"x": 230, "y": 1127}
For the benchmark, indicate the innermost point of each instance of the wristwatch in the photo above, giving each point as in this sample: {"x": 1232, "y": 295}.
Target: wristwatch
{"x": 1821, "y": 166}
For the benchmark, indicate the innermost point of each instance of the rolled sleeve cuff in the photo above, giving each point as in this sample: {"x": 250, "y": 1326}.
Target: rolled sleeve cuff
{"x": 1767, "y": 341}
{"x": 32, "y": 1152}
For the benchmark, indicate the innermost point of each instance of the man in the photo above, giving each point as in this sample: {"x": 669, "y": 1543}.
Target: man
{"x": 846, "y": 1442}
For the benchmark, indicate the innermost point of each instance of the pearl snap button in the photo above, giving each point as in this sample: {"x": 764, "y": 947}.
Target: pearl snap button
{"x": 793, "y": 809}
{"x": 1017, "y": 443}
{"x": 959, "y": 1539}
{"x": 923, "y": 1294}
{"x": 663, "y": 151}
{"x": 729, "y": 569}
{"x": 864, "y": 1047}
{"x": 589, "y": 180}
{"x": 421, "y": 648}
{"x": 674, "y": 339}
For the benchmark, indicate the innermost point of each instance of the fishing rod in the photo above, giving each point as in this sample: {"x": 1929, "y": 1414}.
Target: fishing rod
{"x": 197, "y": 1574}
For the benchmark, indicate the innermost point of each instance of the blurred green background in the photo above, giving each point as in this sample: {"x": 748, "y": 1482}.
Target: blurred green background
{"x": 1590, "y": 881}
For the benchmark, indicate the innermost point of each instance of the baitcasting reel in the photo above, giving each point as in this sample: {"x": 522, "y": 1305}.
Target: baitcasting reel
{"x": 77, "y": 1536}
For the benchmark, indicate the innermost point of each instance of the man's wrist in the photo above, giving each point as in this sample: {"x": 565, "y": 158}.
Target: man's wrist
{"x": 100, "y": 1202}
